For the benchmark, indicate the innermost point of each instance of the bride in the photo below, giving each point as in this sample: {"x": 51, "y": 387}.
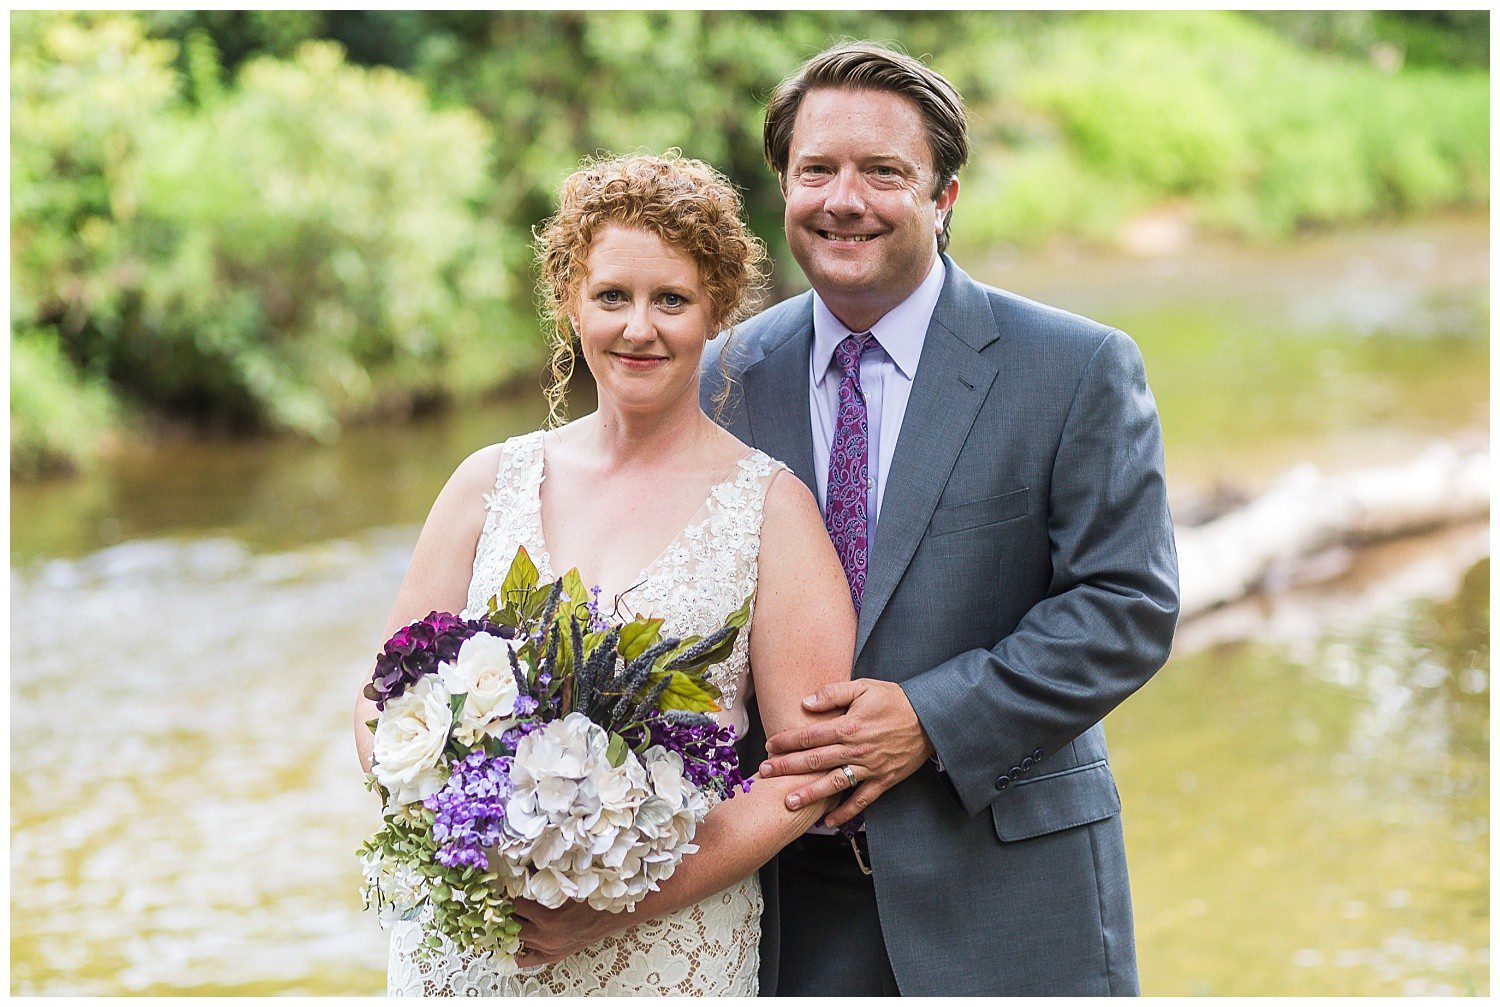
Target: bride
{"x": 670, "y": 516}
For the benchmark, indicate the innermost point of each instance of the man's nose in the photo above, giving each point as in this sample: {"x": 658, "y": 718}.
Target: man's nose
{"x": 844, "y": 197}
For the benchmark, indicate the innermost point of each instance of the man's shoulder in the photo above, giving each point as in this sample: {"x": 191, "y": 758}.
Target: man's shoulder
{"x": 752, "y": 340}
{"x": 1043, "y": 326}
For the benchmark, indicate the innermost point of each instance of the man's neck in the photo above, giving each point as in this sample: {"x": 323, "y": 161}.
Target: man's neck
{"x": 860, "y": 313}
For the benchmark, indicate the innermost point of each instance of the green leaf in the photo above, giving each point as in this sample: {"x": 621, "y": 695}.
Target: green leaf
{"x": 740, "y": 616}
{"x": 689, "y": 693}
{"x": 638, "y": 635}
{"x": 372, "y": 724}
{"x": 456, "y": 703}
{"x": 574, "y": 587}
{"x": 522, "y": 575}
{"x": 615, "y": 753}
{"x": 721, "y": 651}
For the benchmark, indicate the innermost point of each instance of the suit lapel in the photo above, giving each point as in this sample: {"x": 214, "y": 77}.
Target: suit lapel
{"x": 951, "y": 382}
{"x": 776, "y": 395}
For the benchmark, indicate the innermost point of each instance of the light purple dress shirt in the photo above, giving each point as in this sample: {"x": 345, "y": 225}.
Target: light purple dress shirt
{"x": 885, "y": 374}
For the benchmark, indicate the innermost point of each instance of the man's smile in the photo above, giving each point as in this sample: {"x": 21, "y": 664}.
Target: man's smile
{"x": 844, "y": 239}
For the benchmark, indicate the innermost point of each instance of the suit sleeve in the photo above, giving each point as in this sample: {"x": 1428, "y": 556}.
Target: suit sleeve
{"x": 1106, "y": 624}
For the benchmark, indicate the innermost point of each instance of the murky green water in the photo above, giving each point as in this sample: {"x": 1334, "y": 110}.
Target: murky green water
{"x": 1313, "y": 818}
{"x": 1304, "y": 815}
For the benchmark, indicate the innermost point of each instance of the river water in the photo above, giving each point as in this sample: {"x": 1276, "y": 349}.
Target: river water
{"x": 1305, "y": 813}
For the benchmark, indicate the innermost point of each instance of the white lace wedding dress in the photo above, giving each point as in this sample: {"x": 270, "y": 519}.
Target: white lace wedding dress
{"x": 708, "y": 949}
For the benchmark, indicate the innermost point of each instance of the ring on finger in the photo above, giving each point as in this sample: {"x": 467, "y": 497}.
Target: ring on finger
{"x": 849, "y": 775}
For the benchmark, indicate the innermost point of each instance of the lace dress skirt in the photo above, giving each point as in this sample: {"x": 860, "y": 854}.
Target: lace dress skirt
{"x": 711, "y": 948}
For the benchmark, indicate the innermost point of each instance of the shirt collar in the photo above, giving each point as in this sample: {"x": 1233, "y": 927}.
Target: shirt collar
{"x": 900, "y": 332}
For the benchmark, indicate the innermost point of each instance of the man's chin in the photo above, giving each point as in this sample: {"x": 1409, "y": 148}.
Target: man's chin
{"x": 842, "y": 277}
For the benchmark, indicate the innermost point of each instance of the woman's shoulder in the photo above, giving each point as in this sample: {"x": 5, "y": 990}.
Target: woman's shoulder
{"x": 484, "y": 469}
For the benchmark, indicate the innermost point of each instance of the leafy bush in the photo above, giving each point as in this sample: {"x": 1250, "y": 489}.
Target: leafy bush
{"x": 1212, "y": 107}
{"x": 57, "y": 419}
{"x": 314, "y": 254}
{"x": 303, "y": 249}
{"x": 309, "y": 240}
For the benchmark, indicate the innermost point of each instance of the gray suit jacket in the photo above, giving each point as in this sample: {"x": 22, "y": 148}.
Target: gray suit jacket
{"x": 1023, "y": 582}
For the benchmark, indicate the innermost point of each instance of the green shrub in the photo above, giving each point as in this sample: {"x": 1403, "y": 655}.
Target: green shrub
{"x": 58, "y": 421}
{"x": 303, "y": 248}
{"x": 312, "y": 252}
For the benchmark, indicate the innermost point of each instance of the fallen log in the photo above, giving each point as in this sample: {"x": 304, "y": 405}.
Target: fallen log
{"x": 1307, "y": 512}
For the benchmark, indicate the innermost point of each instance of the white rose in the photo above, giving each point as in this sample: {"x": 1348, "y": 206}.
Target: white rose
{"x": 409, "y": 740}
{"x": 482, "y": 673}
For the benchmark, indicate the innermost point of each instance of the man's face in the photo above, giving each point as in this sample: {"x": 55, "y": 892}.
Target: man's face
{"x": 860, "y": 215}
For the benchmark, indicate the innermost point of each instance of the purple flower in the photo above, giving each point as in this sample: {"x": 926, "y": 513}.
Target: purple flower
{"x": 596, "y": 621}
{"x": 709, "y": 759}
{"x": 416, "y": 650}
{"x": 468, "y": 813}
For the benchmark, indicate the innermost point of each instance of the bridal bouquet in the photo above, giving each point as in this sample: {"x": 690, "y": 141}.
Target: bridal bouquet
{"x": 542, "y": 753}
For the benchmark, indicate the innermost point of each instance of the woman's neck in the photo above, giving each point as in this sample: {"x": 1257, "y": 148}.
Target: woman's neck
{"x": 624, "y": 438}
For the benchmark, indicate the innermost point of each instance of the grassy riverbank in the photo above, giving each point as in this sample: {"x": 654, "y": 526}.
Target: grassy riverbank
{"x": 294, "y": 220}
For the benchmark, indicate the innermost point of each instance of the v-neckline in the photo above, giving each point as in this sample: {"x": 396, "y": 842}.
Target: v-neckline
{"x": 641, "y": 576}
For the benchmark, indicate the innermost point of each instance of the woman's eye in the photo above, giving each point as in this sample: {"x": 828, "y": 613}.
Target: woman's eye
{"x": 610, "y": 297}
{"x": 673, "y": 300}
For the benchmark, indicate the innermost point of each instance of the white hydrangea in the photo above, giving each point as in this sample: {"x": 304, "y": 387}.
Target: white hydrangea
{"x": 578, "y": 828}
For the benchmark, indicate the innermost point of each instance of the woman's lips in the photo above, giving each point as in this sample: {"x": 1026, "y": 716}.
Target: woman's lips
{"x": 639, "y": 363}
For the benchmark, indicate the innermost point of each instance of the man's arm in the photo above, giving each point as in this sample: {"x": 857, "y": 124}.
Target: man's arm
{"x": 1104, "y": 629}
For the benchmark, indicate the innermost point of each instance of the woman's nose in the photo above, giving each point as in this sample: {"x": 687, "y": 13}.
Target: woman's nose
{"x": 638, "y": 327}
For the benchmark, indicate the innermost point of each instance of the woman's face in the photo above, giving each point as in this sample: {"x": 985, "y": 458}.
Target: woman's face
{"x": 642, "y": 318}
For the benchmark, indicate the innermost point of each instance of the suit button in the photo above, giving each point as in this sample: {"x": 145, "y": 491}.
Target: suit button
{"x": 1015, "y": 772}
{"x": 1027, "y": 763}
{"x": 1002, "y": 783}
{"x": 1037, "y": 755}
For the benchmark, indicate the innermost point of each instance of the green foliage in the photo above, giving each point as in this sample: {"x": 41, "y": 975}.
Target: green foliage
{"x": 57, "y": 417}
{"x": 303, "y": 250}
{"x": 1126, "y": 112}
{"x": 315, "y": 252}
{"x": 233, "y": 222}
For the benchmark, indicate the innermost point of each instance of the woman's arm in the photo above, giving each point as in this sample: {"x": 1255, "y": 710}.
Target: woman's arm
{"x": 437, "y": 579}
{"x": 801, "y": 639}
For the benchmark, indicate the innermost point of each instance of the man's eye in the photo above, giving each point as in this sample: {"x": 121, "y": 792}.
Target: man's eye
{"x": 885, "y": 171}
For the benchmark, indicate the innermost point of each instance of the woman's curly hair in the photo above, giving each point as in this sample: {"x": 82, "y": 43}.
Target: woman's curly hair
{"x": 685, "y": 202}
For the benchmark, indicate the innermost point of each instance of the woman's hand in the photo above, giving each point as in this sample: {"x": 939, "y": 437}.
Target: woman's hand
{"x": 550, "y": 935}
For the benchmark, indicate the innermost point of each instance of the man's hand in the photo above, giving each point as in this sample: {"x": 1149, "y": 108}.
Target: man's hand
{"x": 550, "y": 935}
{"x": 878, "y": 734}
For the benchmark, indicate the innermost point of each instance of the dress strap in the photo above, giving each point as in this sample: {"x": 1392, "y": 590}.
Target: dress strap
{"x": 518, "y": 479}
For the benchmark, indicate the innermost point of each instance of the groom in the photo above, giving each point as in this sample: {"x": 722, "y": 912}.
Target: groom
{"x": 991, "y": 473}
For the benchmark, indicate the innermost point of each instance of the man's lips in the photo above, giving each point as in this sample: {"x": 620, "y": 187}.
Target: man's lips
{"x": 851, "y": 239}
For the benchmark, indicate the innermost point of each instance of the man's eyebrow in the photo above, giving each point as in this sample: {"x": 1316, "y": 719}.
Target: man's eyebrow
{"x": 818, "y": 155}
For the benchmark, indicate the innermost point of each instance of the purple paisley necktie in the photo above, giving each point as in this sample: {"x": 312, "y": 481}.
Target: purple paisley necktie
{"x": 847, "y": 512}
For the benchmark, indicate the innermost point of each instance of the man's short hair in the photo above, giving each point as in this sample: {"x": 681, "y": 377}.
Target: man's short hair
{"x": 871, "y": 67}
